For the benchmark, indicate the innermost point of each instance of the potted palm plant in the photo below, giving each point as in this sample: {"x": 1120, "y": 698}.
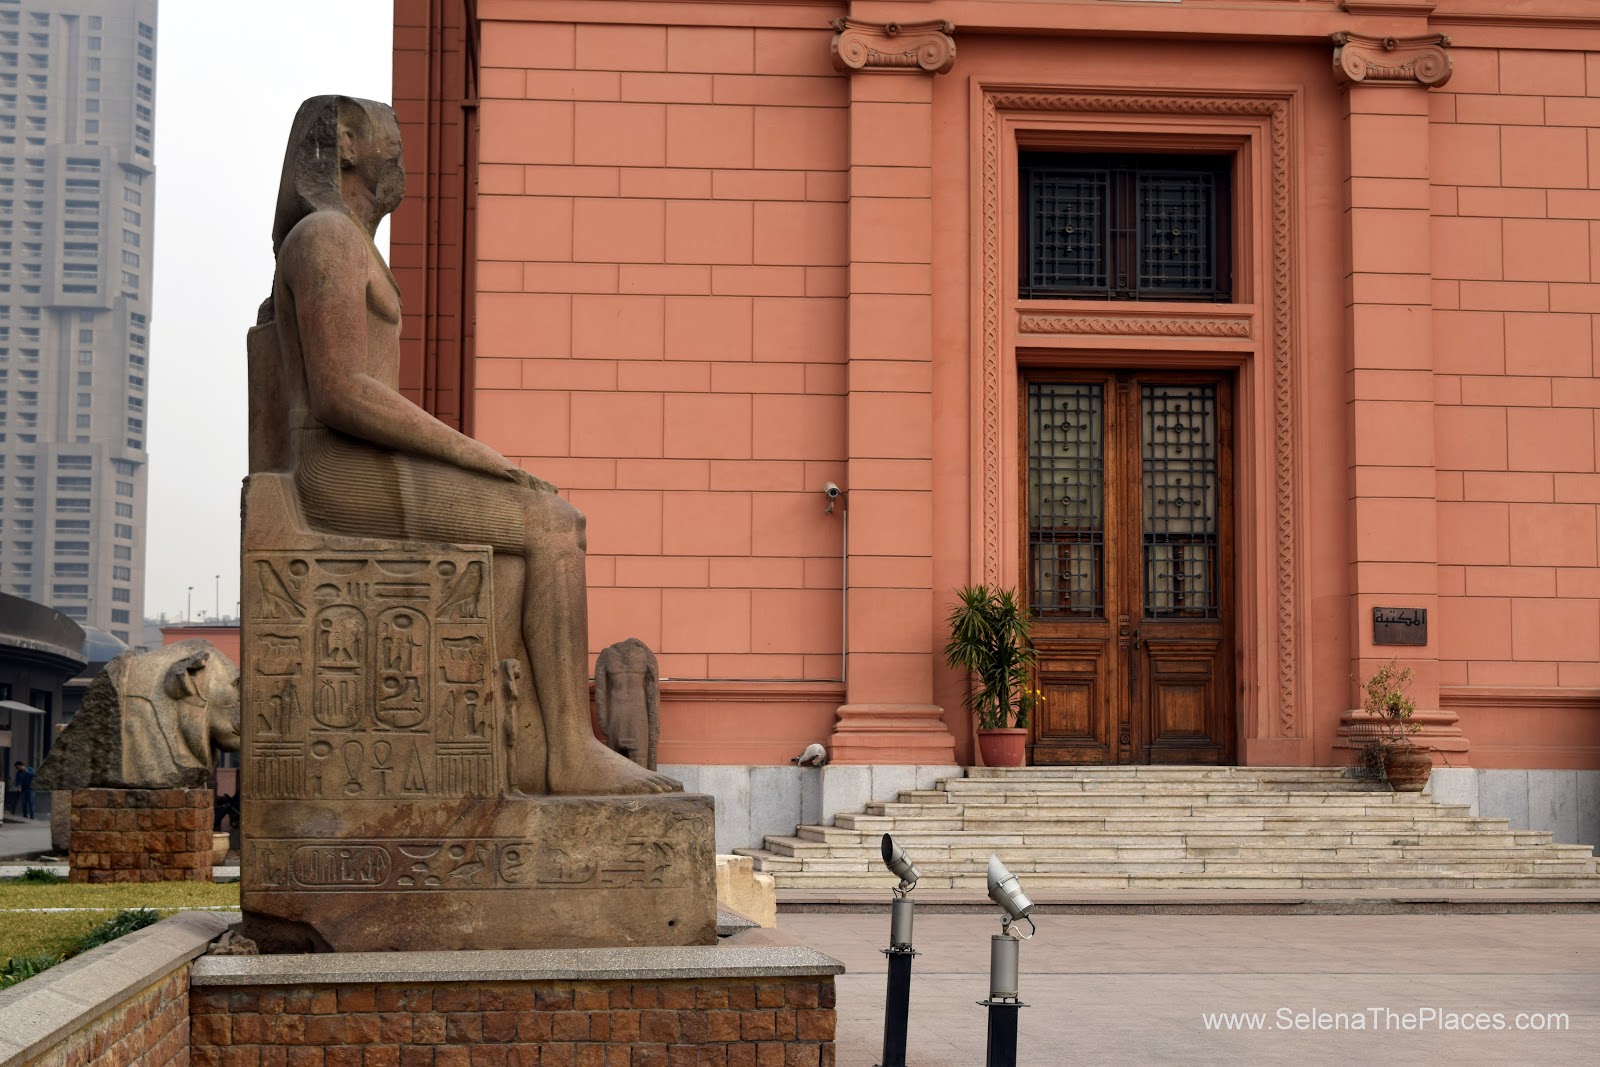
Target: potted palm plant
{"x": 989, "y": 640}
{"x": 1384, "y": 698}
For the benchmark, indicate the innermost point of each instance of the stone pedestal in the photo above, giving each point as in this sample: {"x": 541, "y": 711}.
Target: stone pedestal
{"x": 141, "y": 835}
{"x": 504, "y": 873}
{"x": 393, "y": 756}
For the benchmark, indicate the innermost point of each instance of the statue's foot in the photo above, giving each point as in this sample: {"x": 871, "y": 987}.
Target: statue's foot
{"x": 597, "y": 770}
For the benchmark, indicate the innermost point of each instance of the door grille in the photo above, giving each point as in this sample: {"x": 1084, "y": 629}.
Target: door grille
{"x": 1179, "y": 429}
{"x": 1066, "y": 498}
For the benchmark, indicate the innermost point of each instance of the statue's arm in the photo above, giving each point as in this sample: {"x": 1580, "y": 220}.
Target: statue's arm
{"x": 324, "y": 262}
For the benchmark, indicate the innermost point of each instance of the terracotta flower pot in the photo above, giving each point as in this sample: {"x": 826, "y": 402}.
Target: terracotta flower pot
{"x": 1004, "y": 748}
{"x": 1407, "y": 769}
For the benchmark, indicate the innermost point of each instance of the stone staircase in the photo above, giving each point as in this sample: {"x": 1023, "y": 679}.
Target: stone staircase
{"x": 1084, "y": 829}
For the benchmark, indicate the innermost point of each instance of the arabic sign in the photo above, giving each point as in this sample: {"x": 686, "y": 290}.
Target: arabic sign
{"x": 1399, "y": 626}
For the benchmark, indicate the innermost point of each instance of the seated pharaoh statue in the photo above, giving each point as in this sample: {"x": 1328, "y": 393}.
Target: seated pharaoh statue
{"x": 417, "y": 734}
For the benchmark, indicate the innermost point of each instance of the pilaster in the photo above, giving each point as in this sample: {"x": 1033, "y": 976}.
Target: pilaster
{"x": 889, "y": 715}
{"x": 1393, "y": 512}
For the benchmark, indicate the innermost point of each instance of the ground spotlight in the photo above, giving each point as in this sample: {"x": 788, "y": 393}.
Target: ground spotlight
{"x": 1004, "y": 959}
{"x": 897, "y": 1002}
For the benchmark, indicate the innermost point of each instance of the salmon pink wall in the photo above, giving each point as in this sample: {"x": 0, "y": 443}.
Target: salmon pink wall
{"x": 1516, "y": 198}
{"x": 661, "y": 332}
{"x": 714, "y": 272}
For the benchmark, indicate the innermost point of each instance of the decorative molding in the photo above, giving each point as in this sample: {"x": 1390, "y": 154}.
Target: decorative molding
{"x": 1125, "y": 326}
{"x": 891, "y": 46}
{"x": 1551, "y": 699}
{"x": 696, "y": 691}
{"x": 1415, "y": 8}
{"x": 1284, "y": 389}
{"x": 1396, "y": 61}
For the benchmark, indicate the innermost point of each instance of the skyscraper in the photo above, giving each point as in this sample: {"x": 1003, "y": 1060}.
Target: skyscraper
{"x": 77, "y": 195}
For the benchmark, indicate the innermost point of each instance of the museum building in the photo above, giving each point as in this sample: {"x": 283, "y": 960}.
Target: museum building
{"x": 1254, "y": 343}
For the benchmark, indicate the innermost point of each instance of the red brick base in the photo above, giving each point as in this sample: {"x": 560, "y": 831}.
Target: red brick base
{"x": 150, "y": 1029}
{"x": 141, "y": 835}
{"x": 726, "y": 1022}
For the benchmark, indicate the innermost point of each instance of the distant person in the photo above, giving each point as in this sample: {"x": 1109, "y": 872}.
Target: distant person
{"x": 24, "y": 781}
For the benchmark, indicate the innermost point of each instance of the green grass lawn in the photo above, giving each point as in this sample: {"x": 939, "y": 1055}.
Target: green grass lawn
{"x": 25, "y": 932}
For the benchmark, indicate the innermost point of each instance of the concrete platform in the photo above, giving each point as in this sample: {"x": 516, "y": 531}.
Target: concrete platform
{"x": 1211, "y": 901}
{"x": 1110, "y": 989}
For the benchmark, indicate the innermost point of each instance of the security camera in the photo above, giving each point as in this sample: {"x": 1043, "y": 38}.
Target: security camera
{"x": 900, "y": 865}
{"x": 1005, "y": 891}
{"x": 832, "y": 492}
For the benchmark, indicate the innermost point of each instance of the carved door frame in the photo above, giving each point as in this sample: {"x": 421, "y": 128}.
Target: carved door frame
{"x": 1256, "y": 334}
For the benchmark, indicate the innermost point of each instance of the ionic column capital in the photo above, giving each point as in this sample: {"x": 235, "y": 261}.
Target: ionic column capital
{"x": 892, "y": 46}
{"x": 1393, "y": 61}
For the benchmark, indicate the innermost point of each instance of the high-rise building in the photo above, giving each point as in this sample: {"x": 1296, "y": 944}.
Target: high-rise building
{"x": 77, "y": 196}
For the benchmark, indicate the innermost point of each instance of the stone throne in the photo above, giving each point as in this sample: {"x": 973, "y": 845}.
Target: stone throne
{"x": 394, "y": 783}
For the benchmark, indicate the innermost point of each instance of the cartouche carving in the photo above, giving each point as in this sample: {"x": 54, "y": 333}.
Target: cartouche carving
{"x": 859, "y": 45}
{"x": 1362, "y": 60}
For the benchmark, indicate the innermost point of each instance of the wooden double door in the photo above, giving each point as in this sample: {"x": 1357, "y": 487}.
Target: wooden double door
{"x": 1128, "y": 549}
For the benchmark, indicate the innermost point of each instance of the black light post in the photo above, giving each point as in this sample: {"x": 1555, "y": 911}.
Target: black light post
{"x": 897, "y": 1000}
{"x": 1004, "y": 957}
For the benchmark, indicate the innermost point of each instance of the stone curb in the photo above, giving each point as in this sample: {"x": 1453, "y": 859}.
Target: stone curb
{"x": 45, "y": 1009}
{"x": 14, "y": 870}
{"x": 523, "y": 965}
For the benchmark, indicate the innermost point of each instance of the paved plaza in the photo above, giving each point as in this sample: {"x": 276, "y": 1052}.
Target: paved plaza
{"x": 1130, "y": 989}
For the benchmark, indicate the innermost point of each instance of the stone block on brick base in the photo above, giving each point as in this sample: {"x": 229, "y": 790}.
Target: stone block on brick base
{"x": 499, "y": 873}
{"x": 141, "y": 835}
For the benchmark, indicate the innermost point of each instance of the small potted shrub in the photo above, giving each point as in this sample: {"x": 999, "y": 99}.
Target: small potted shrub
{"x": 989, "y": 640}
{"x": 1384, "y": 698}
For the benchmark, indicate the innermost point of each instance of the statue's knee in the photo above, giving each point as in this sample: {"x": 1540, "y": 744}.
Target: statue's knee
{"x": 557, "y": 518}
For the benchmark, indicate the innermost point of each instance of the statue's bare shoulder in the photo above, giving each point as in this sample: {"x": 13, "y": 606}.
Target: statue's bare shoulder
{"x": 324, "y": 242}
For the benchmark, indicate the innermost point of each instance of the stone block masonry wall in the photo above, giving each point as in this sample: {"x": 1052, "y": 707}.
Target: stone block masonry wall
{"x": 149, "y": 1030}
{"x": 1515, "y": 172}
{"x": 728, "y": 1022}
{"x": 141, "y": 835}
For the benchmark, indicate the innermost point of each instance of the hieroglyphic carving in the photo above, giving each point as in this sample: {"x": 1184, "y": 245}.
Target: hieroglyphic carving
{"x": 1124, "y": 326}
{"x": 859, "y": 45}
{"x": 1397, "y": 61}
{"x": 394, "y": 706}
{"x": 481, "y": 863}
{"x": 993, "y": 361}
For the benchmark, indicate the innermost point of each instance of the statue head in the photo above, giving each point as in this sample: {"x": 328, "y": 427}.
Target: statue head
{"x": 204, "y": 677}
{"x": 338, "y": 144}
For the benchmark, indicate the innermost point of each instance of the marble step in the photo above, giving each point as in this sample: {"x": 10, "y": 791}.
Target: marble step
{"x": 789, "y": 847}
{"x": 1023, "y": 865}
{"x": 1123, "y": 822}
{"x": 1069, "y": 838}
{"x": 1160, "y": 773}
{"x": 1169, "y": 796}
{"x": 1100, "y": 802}
{"x": 1044, "y": 787}
{"x": 1039, "y": 881}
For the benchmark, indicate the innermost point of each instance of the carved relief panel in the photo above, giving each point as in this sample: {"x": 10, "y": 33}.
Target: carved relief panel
{"x": 369, "y": 677}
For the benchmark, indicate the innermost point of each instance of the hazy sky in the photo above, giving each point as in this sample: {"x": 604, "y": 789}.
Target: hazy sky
{"x": 228, "y": 80}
